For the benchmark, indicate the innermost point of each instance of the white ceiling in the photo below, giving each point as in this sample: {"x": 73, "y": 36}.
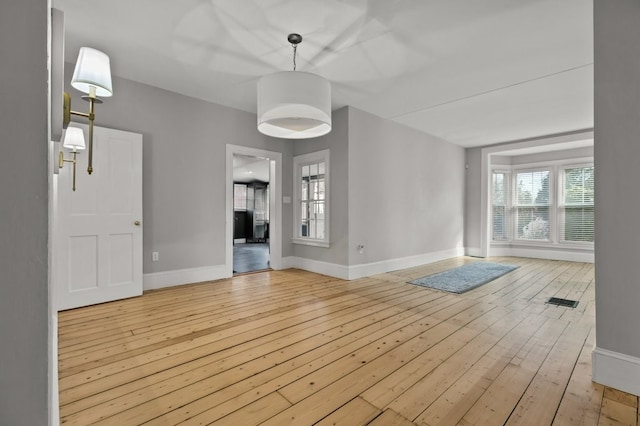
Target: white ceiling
{"x": 471, "y": 72}
{"x": 249, "y": 169}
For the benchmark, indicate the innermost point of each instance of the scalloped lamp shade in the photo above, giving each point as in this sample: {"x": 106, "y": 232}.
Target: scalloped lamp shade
{"x": 74, "y": 138}
{"x": 294, "y": 105}
{"x": 92, "y": 69}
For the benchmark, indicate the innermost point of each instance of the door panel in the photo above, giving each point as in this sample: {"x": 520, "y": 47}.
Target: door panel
{"x": 82, "y": 263}
{"x": 98, "y": 251}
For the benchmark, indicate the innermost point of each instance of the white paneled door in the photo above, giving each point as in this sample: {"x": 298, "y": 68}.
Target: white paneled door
{"x": 98, "y": 227}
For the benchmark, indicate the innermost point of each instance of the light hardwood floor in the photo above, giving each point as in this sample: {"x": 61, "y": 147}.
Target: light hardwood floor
{"x": 293, "y": 347}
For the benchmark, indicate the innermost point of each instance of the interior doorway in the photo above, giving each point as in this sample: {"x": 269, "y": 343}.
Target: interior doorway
{"x": 251, "y": 213}
{"x": 275, "y": 203}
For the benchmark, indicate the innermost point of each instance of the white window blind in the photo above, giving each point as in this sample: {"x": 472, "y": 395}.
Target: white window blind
{"x": 577, "y": 204}
{"x": 499, "y": 206}
{"x": 532, "y": 205}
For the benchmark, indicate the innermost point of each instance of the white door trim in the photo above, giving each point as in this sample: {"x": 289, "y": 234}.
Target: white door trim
{"x": 275, "y": 203}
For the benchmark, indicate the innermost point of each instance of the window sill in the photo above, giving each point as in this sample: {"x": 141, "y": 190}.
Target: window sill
{"x": 311, "y": 242}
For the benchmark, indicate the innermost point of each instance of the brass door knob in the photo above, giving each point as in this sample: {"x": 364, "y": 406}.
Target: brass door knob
{"x": 136, "y": 223}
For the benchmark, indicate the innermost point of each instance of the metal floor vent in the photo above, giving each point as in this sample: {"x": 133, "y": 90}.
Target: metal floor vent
{"x": 562, "y": 302}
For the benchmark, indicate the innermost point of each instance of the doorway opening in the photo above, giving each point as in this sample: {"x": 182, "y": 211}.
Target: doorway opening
{"x": 251, "y": 213}
{"x": 274, "y": 160}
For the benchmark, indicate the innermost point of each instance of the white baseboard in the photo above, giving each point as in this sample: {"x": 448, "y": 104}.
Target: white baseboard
{"x": 156, "y": 280}
{"x": 543, "y": 253}
{"x": 367, "y": 269}
{"x": 616, "y": 370}
{"x": 324, "y": 268}
{"x": 473, "y": 251}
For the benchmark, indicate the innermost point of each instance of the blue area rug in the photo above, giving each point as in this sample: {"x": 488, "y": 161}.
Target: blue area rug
{"x": 464, "y": 278}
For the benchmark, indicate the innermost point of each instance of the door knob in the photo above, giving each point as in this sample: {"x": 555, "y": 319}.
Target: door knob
{"x": 136, "y": 223}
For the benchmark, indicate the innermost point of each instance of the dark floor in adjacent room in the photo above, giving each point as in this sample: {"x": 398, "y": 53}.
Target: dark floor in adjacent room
{"x": 250, "y": 257}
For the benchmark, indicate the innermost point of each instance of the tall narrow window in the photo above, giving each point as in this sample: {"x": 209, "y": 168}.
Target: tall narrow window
{"x": 499, "y": 206}
{"x": 532, "y": 205}
{"x": 312, "y": 199}
{"x": 577, "y": 204}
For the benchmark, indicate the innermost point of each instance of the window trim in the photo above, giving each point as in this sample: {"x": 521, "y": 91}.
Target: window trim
{"x": 322, "y": 156}
{"x": 515, "y": 206}
{"x": 561, "y": 205}
{"x": 508, "y": 232}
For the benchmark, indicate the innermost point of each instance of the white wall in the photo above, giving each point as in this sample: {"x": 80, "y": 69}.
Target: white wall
{"x": 616, "y": 359}
{"x": 24, "y": 305}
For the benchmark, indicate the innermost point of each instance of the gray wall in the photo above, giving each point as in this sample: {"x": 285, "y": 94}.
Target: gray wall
{"x": 617, "y": 152}
{"x": 337, "y": 142}
{"x": 184, "y": 177}
{"x": 406, "y": 191}
{"x": 184, "y": 153}
{"x": 24, "y": 302}
{"x": 472, "y": 201}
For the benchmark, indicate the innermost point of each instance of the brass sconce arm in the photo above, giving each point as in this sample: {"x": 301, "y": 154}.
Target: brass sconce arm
{"x": 67, "y": 112}
{"x": 62, "y": 160}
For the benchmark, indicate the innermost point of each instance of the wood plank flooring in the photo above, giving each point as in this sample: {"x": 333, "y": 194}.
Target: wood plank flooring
{"x": 293, "y": 347}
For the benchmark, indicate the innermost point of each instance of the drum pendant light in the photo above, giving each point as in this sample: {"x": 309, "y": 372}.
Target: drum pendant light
{"x": 294, "y": 104}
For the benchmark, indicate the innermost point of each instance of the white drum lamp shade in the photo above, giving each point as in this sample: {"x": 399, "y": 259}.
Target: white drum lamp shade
{"x": 74, "y": 138}
{"x": 93, "y": 68}
{"x": 294, "y": 105}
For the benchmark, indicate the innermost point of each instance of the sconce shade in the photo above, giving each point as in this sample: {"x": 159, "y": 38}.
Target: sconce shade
{"x": 294, "y": 105}
{"x": 92, "y": 69}
{"x": 74, "y": 138}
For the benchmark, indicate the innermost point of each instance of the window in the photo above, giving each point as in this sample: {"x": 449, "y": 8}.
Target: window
{"x": 312, "y": 199}
{"x": 239, "y": 196}
{"x": 551, "y": 204}
{"x": 577, "y": 209}
{"x": 532, "y": 202}
{"x": 499, "y": 206}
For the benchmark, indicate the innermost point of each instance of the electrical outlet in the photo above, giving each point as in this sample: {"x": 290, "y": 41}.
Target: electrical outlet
{"x": 155, "y": 256}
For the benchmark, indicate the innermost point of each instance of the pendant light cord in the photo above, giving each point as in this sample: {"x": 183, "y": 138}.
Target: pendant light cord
{"x": 295, "y": 49}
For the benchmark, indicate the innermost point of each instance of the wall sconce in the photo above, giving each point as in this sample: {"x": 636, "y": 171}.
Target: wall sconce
{"x": 92, "y": 76}
{"x": 74, "y": 140}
